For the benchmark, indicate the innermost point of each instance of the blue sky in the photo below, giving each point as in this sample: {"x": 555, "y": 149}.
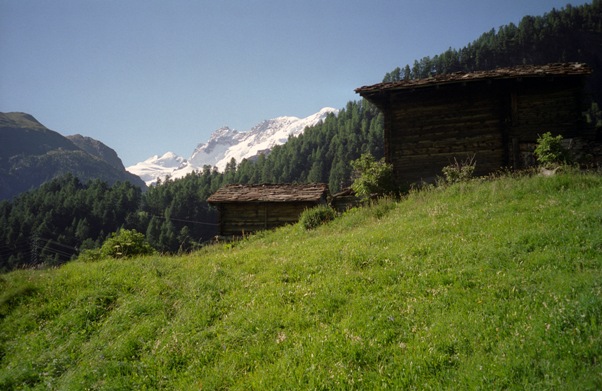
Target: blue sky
{"x": 146, "y": 76}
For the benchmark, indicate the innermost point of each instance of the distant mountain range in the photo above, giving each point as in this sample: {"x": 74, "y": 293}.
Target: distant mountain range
{"x": 31, "y": 154}
{"x": 226, "y": 144}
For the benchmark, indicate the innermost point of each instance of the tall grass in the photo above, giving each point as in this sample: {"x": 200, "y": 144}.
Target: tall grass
{"x": 493, "y": 285}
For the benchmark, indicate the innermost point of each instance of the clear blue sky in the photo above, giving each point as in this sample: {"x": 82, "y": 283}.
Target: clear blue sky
{"x": 146, "y": 76}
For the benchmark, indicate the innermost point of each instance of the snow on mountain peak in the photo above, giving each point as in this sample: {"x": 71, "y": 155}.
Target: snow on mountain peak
{"x": 219, "y": 142}
{"x": 223, "y": 133}
{"x": 168, "y": 159}
{"x": 158, "y": 167}
{"x": 226, "y": 143}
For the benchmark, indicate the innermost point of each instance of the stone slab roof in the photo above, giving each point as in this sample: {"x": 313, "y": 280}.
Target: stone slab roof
{"x": 522, "y": 71}
{"x": 270, "y": 193}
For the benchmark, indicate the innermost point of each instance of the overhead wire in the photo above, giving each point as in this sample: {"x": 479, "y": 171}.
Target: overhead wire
{"x": 185, "y": 221}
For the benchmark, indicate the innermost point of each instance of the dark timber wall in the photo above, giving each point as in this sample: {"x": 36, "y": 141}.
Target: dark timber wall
{"x": 428, "y": 130}
{"x": 429, "y": 125}
{"x": 251, "y": 208}
{"x": 539, "y": 106}
{"x": 240, "y": 218}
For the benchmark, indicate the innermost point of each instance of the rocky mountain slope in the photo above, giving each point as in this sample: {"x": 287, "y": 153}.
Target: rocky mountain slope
{"x": 31, "y": 154}
{"x": 98, "y": 149}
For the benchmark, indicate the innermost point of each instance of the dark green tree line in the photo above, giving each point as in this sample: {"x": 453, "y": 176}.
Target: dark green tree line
{"x": 322, "y": 153}
{"x": 572, "y": 34}
{"x": 51, "y": 224}
{"x": 174, "y": 214}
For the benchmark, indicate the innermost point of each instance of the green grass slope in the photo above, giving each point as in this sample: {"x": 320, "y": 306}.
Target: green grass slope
{"x": 491, "y": 285}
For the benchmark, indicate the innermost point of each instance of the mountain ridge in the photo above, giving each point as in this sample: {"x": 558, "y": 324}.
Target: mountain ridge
{"x": 226, "y": 144}
{"x": 31, "y": 154}
{"x": 97, "y": 148}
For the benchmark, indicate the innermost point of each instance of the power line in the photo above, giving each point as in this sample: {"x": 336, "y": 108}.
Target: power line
{"x": 185, "y": 221}
{"x": 48, "y": 248}
{"x": 52, "y": 241}
{"x": 34, "y": 248}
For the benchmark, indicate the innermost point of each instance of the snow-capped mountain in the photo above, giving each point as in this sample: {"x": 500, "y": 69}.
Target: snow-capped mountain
{"x": 213, "y": 151}
{"x": 225, "y": 144}
{"x": 158, "y": 167}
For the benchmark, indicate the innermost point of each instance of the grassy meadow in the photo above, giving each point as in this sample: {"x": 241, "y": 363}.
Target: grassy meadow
{"x": 486, "y": 285}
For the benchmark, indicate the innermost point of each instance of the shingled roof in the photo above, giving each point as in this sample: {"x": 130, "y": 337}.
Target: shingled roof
{"x": 269, "y": 193}
{"x": 522, "y": 71}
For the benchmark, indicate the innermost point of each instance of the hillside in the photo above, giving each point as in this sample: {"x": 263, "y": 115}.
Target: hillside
{"x": 481, "y": 285}
{"x": 31, "y": 154}
{"x": 98, "y": 149}
{"x": 569, "y": 34}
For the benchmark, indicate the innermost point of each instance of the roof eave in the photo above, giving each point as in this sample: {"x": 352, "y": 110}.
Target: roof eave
{"x": 569, "y": 70}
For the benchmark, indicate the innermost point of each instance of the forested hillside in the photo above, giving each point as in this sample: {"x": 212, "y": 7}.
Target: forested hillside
{"x": 572, "y": 34}
{"x": 174, "y": 215}
{"x": 321, "y": 154}
{"x": 51, "y": 224}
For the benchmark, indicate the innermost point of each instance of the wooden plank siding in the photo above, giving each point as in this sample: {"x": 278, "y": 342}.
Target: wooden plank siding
{"x": 546, "y": 107}
{"x": 251, "y": 208}
{"x": 495, "y": 116}
{"x": 238, "y": 219}
{"x": 431, "y": 130}
{"x": 541, "y": 106}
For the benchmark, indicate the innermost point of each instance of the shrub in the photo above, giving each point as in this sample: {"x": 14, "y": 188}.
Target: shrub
{"x": 90, "y": 254}
{"x": 459, "y": 171}
{"x": 549, "y": 151}
{"x": 371, "y": 177}
{"x": 314, "y": 217}
{"x": 124, "y": 244}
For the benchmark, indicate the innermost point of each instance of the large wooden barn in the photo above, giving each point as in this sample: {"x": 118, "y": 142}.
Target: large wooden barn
{"x": 250, "y": 208}
{"x": 494, "y": 116}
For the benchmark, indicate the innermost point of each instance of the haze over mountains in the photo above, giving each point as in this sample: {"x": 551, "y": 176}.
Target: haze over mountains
{"x": 226, "y": 144}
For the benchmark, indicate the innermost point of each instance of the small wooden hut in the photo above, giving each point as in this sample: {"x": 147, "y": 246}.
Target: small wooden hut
{"x": 344, "y": 200}
{"x": 494, "y": 116}
{"x": 251, "y": 208}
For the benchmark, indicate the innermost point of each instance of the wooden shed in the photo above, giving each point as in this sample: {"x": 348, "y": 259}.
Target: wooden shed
{"x": 495, "y": 116}
{"x": 344, "y": 200}
{"x": 251, "y": 208}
